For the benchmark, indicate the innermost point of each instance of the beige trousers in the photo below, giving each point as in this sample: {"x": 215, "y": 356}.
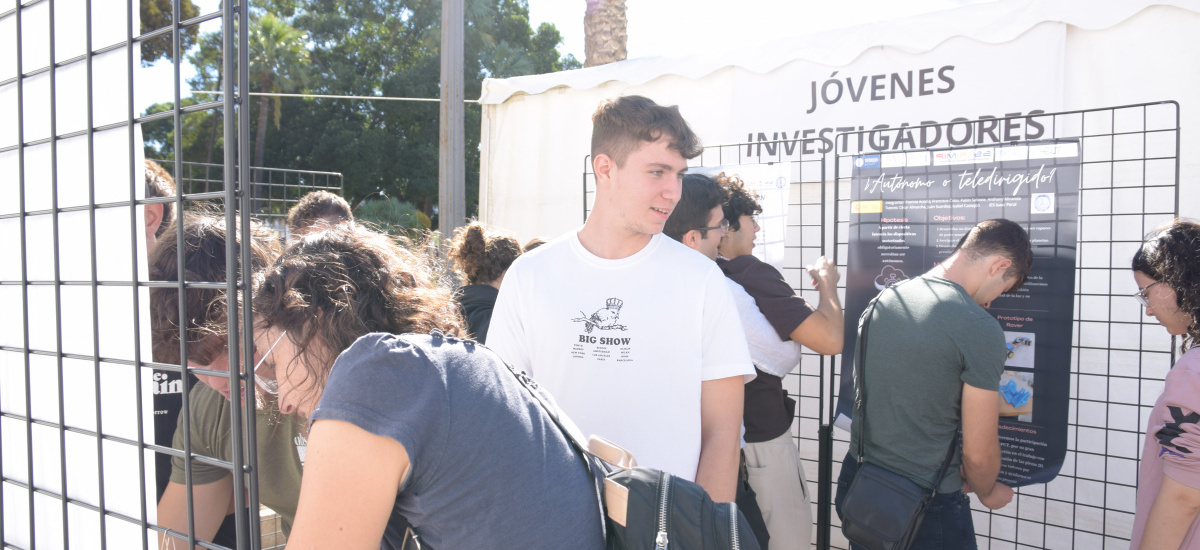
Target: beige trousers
{"x": 781, "y": 491}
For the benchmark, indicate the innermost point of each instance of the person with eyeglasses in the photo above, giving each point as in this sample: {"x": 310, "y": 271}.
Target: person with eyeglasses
{"x": 772, "y": 458}
{"x": 406, "y": 418}
{"x": 280, "y": 438}
{"x": 1166, "y": 269}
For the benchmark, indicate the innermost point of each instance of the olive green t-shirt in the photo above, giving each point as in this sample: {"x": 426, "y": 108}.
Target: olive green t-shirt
{"x": 280, "y": 444}
{"x": 927, "y": 337}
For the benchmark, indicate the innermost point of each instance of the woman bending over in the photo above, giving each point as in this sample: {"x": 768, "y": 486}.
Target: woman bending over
{"x": 407, "y": 419}
{"x": 1167, "y": 271}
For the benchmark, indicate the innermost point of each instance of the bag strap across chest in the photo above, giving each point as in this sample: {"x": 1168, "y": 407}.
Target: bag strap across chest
{"x": 860, "y": 398}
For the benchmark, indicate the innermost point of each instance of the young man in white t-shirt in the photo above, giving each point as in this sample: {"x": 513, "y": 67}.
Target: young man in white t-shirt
{"x": 636, "y": 335}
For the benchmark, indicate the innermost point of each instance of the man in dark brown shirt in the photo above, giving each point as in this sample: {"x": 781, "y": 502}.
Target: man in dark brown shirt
{"x": 771, "y": 456}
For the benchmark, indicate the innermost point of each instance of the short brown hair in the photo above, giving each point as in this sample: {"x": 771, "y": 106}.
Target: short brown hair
{"x": 1004, "y": 237}
{"x": 160, "y": 184}
{"x": 697, "y": 197}
{"x": 479, "y": 257}
{"x": 335, "y": 286}
{"x": 622, "y": 124}
{"x": 318, "y": 205}
{"x": 532, "y": 244}
{"x": 204, "y": 238}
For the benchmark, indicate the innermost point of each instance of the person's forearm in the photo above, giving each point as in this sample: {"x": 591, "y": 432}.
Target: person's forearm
{"x": 718, "y": 468}
{"x": 1172, "y": 514}
{"x": 831, "y": 308}
{"x": 981, "y": 471}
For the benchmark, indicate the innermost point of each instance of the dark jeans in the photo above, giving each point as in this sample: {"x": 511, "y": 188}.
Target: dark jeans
{"x": 947, "y": 524}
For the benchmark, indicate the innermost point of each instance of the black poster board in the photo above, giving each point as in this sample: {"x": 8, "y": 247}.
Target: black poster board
{"x": 908, "y": 211}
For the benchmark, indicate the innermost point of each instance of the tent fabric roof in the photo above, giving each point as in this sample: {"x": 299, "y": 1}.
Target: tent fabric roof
{"x": 994, "y": 22}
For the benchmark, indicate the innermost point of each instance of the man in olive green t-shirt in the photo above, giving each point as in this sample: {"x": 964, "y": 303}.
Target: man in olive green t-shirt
{"x": 933, "y": 359}
{"x": 281, "y": 443}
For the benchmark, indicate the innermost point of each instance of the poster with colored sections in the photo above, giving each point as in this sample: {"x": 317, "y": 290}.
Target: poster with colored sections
{"x": 908, "y": 211}
{"x": 769, "y": 183}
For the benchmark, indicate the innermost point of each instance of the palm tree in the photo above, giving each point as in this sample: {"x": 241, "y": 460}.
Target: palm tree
{"x": 279, "y": 63}
{"x": 604, "y": 27}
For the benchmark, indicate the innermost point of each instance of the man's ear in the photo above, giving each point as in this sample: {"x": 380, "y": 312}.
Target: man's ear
{"x": 692, "y": 238}
{"x": 602, "y": 166}
{"x": 999, "y": 265}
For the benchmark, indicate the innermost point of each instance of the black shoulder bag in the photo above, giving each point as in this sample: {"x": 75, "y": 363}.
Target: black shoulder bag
{"x": 649, "y": 508}
{"x": 882, "y": 510}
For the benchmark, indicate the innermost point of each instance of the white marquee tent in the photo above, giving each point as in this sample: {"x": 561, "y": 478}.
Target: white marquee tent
{"x": 994, "y": 59}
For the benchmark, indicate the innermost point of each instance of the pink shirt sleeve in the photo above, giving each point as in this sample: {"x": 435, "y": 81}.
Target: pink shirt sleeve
{"x": 1176, "y": 425}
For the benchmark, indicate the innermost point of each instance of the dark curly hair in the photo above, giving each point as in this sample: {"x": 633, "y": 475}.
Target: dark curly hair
{"x": 205, "y": 238}
{"x": 740, "y": 202}
{"x": 332, "y": 287}
{"x": 481, "y": 258}
{"x": 1171, "y": 254}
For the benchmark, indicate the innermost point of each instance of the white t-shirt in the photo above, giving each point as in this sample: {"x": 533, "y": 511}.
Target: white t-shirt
{"x": 769, "y": 353}
{"x": 623, "y": 345}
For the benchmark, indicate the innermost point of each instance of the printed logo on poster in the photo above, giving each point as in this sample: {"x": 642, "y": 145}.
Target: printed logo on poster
{"x": 1053, "y": 150}
{"x": 893, "y": 160}
{"x": 964, "y": 156}
{"x": 866, "y": 161}
{"x": 1042, "y": 203}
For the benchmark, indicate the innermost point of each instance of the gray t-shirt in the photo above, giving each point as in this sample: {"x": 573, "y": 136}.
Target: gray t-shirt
{"x": 489, "y": 468}
{"x": 927, "y": 337}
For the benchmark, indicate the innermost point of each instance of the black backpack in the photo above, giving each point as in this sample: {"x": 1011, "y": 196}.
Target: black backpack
{"x": 647, "y": 508}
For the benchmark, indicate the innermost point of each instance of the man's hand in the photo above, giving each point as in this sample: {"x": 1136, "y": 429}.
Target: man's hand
{"x": 824, "y": 330}
{"x": 999, "y": 497}
{"x": 824, "y": 273}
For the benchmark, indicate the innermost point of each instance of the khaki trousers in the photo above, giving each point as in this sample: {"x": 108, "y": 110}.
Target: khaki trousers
{"x": 781, "y": 491}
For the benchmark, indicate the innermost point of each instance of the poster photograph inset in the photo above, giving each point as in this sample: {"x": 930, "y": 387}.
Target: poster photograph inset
{"x": 908, "y": 210}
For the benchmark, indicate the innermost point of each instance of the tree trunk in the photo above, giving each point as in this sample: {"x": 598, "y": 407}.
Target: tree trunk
{"x": 260, "y": 138}
{"x": 604, "y": 28}
{"x": 212, "y": 143}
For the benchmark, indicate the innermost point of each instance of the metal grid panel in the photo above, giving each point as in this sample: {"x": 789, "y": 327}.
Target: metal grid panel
{"x": 1129, "y": 185}
{"x": 76, "y": 438}
{"x": 276, "y": 189}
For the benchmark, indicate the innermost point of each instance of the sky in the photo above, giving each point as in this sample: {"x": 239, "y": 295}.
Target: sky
{"x": 680, "y": 27}
{"x": 659, "y": 27}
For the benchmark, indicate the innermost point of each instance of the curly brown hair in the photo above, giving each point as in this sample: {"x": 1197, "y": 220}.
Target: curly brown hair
{"x": 204, "y": 247}
{"x": 330, "y": 288}
{"x": 481, "y": 258}
{"x": 741, "y": 202}
{"x": 1171, "y": 254}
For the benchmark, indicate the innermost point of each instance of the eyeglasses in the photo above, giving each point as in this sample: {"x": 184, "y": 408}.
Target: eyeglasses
{"x": 1140, "y": 295}
{"x": 267, "y": 380}
{"x": 723, "y": 226}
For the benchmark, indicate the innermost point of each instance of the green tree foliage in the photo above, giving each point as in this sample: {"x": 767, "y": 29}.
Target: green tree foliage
{"x": 155, "y": 15}
{"x": 377, "y": 48}
{"x": 279, "y": 63}
{"x": 392, "y": 216}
